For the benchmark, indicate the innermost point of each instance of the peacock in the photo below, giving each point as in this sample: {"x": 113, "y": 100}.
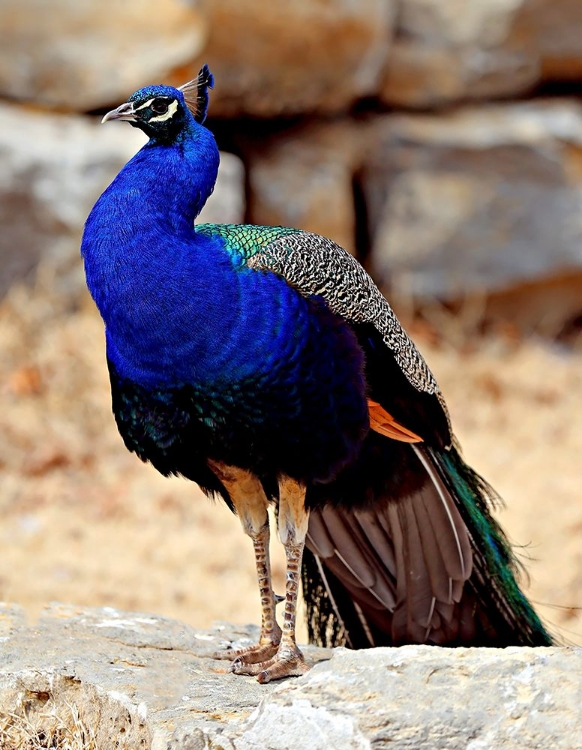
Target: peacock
{"x": 263, "y": 364}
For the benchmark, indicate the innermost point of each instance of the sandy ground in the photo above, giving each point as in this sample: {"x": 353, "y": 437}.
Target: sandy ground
{"x": 83, "y": 521}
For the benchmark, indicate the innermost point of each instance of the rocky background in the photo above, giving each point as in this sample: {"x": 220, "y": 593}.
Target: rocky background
{"x": 439, "y": 140}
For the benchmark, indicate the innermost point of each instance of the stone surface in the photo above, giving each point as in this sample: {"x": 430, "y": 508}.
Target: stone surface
{"x": 447, "y": 51}
{"x": 130, "y": 680}
{"x": 552, "y": 29}
{"x": 135, "y": 680}
{"x": 304, "y": 179}
{"x": 477, "y": 200}
{"x": 83, "y": 55}
{"x": 227, "y": 204}
{"x": 52, "y": 170}
{"x": 426, "y": 698}
{"x": 284, "y": 58}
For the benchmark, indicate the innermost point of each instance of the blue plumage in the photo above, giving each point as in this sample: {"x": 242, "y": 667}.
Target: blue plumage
{"x": 183, "y": 310}
{"x": 240, "y": 363}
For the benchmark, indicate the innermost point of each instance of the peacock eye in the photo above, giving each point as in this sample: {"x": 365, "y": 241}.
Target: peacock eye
{"x": 159, "y": 106}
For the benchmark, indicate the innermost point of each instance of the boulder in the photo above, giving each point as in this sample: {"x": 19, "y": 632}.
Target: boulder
{"x": 274, "y": 59}
{"x": 551, "y": 28}
{"x": 446, "y": 51}
{"x": 80, "y": 56}
{"x": 105, "y": 678}
{"x": 477, "y": 200}
{"x": 268, "y": 58}
{"x": 52, "y": 170}
{"x": 303, "y": 178}
{"x": 227, "y": 204}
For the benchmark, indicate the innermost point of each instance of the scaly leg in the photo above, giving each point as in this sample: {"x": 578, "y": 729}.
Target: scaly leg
{"x": 251, "y": 505}
{"x": 293, "y": 520}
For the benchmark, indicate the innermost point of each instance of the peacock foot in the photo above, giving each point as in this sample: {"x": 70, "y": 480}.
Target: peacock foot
{"x": 286, "y": 662}
{"x": 264, "y": 650}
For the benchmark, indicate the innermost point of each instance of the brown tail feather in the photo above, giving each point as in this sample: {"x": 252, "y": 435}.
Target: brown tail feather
{"x": 404, "y": 563}
{"x": 414, "y": 568}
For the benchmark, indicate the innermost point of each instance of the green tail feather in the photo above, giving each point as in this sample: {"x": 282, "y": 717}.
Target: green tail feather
{"x": 495, "y": 563}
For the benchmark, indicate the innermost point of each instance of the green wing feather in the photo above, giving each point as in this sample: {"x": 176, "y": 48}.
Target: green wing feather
{"x": 245, "y": 239}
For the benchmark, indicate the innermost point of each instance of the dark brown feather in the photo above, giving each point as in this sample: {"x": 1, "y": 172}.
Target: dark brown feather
{"x": 404, "y": 563}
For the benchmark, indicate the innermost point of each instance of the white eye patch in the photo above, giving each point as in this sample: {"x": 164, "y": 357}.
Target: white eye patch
{"x": 144, "y": 105}
{"x": 170, "y": 113}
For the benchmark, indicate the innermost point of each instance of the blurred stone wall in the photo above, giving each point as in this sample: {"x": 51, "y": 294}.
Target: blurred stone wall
{"x": 439, "y": 139}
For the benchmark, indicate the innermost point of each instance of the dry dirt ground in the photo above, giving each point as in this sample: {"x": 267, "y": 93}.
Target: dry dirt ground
{"x": 83, "y": 521}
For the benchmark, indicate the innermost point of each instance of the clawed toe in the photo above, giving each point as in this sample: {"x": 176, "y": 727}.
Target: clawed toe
{"x": 251, "y": 655}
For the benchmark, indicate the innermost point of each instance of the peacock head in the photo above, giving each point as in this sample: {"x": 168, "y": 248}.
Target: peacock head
{"x": 165, "y": 112}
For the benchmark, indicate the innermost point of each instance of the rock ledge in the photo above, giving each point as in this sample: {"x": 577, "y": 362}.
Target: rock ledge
{"x": 105, "y": 679}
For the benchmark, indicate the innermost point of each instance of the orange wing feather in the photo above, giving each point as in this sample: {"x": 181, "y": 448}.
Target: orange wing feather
{"x": 385, "y": 424}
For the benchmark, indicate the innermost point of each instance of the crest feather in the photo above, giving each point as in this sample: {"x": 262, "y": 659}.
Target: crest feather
{"x": 196, "y": 93}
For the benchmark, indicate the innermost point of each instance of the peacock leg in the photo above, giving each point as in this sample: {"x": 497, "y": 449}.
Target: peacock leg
{"x": 251, "y": 505}
{"x": 292, "y": 521}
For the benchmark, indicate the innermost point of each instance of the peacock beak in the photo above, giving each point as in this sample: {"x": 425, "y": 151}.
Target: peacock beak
{"x": 123, "y": 112}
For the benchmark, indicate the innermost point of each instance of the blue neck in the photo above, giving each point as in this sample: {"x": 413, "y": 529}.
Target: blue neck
{"x": 176, "y": 304}
{"x": 169, "y": 183}
{"x": 141, "y": 251}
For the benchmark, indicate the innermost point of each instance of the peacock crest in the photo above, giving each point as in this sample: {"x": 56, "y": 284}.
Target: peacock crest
{"x": 196, "y": 93}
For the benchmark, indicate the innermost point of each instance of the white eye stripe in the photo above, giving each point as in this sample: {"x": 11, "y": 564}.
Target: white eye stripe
{"x": 170, "y": 113}
{"x": 143, "y": 106}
